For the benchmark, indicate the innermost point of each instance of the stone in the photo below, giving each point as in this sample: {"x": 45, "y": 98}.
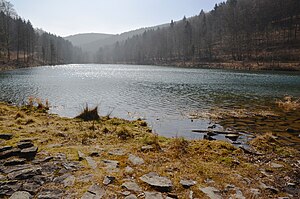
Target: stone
{"x": 126, "y": 193}
{"x": 135, "y": 160}
{"x": 95, "y": 154}
{"x": 60, "y": 179}
{"x": 14, "y": 161}
{"x": 238, "y": 194}
{"x": 153, "y": 195}
{"x": 31, "y": 187}
{"x": 29, "y": 153}
{"x": 161, "y": 183}
{"x": 5, "y": 148}
{"x": 2, "y": 177}
{"x": 211, "y": 192}
{"x": 255, "y": 193}
{"x": 50, "y": 194}
{"x": 232, "y": 137}
{"x": 69, "y": 181}
{"x": 131, "y": 186}
{"x": 20, "y": 195}
{"x": 209, "y": 181}
{"x": 10, "y": 169}
{"x": 94, "y": 192}
{"x": 80, "y": 156}
{"x": 9, "y": 187}
{"x": 44, "y": 160}
{"x": 91, "y": 162}
{"x": 24, "y": 174}
{"x": 111, "y": 164}
{"x": 6, "y": 136}
{"x": 85, "y": 178}
{"x": 276, "y": 165}
{"x": 24, "y": 145}
{"x": 9, "y": 153}
{"x": 129, "y": 170}
{"x": 270, "y": 188}
{"x": 108, "y": 180}
{"x": 131, "y": 196}
{"x": 187, "y": 183}
{"x": 117, "y": 152}
{"x": 147, "y": 148}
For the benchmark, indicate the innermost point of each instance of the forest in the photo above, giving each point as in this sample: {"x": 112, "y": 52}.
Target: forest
{"x": 254, "y": 31}
{"x": 23, "y": 45}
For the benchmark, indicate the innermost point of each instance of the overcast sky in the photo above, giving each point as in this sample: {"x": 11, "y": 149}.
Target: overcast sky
{"x": 68, "y": 17}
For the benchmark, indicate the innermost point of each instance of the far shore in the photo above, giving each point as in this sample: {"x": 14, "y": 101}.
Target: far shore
{"x": 232, "y": 65}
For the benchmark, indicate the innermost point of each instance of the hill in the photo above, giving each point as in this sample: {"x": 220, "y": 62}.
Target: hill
{"x": 85, "y": 38}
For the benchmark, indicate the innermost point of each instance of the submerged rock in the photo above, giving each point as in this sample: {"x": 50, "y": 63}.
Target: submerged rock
{"x": 161, "y": 183}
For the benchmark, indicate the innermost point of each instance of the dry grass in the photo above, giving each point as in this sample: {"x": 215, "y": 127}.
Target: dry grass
{"x": 89, "y": 114}
{"x": 288, "y": 103}
{"x": 174, "y": 158}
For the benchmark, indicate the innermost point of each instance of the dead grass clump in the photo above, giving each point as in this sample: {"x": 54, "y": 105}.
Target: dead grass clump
{"x": 89, "y": 114}
{"x": 38, "y": 103}
{"x": 19, "y": 115}
{"x": 179, "y": 146}
{"x": 124, "y": 134}
{"x": 288, "y": 104}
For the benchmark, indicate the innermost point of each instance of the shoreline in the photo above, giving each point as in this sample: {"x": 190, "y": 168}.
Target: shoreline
{"x": 115, "y": 157}
{"x": 231, "y": 65}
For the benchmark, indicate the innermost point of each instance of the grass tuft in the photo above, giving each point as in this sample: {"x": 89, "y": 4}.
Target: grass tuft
{"x": 89, "y": 114}
{"x": 288, "y": 104}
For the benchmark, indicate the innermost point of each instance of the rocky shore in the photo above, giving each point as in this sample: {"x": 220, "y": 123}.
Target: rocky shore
{"x": 46, "y": 156}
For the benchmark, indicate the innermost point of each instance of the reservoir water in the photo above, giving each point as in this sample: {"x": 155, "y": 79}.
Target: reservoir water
{"x": 164, "y": 96}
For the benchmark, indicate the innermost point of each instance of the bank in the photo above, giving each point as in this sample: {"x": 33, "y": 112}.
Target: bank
{"x": 115, "y": 158}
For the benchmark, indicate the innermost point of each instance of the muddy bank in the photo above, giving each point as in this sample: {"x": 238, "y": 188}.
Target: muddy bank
{"x": 46, "y": 156}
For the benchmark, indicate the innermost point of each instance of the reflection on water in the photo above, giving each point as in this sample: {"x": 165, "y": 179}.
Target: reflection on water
{"x": 162, "y": 95}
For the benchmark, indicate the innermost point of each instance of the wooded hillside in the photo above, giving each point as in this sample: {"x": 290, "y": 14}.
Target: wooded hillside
{"x": 239, "y": 31}
{"x": 21, "y": 44}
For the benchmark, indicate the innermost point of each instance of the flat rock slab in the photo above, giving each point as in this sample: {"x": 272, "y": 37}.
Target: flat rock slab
{"x": 24, "y": 145}
{"x": 135, "y": 160}
{"x": 147, "y": 148}
{"x": 21, "y": 195}
{"x": 131, "y": 196}
{"x": 211, "y": 192}
{"x": 159, "y": 182}
{"x": 129, "y": 170}
{"x": 14, "y": 161}
{"x": 24, "y": 174}
{"x": 29, "y": 153}
{"x": 91, "y": 162}
{"x": 5, "y": 148}
{"x": 117, "y": 152}
{"x": 6, "y": 136}
{"x": 94, "y": 192}
{"x": 9, "y": 153}
{"x": 85, "y": 178}
{"x": 187, "y": 183}
{"x": 111, "y": 164}
{"x": 108, "y": 180}
{"x": 153, "y": 195}
{"x": 132, "y": 186}
{"x": 276, "y": 165}
{"x": 81, "y": 155}
{"x": 69, "y": 181}
{"x": 53, "y": 194}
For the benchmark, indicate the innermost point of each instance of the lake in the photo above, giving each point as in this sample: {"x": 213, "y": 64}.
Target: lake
{"x": 164, "y": 96}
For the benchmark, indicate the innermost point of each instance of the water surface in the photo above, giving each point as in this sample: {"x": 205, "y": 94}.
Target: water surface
{"x": 162, "y": 95}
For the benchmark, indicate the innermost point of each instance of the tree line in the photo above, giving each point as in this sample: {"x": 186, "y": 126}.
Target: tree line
{"x": 235, "y": 30}
{"x": 21, "y": 44}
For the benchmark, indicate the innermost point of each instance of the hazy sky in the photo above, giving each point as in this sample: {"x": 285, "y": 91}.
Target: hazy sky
{"x": 67, "y": 17}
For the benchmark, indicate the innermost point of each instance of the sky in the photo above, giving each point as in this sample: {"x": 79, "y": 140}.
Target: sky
{"x": 69, "y": 17}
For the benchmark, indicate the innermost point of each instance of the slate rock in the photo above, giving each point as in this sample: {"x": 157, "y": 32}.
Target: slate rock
{"x": 31, "y": 187}
{"x": 211, "y": 192}
{"x": 85, "y": 178}
{"x": 153, "y": 195}
{"x": 147, "y": 148}
{"x": 255, "y": 193}
{"x": 2, "y": 177}
{"x": 24, "y": 145}
{"x": 24, "y": 174}
{"x": 9, "y": 153}
{"x": 131, "y": 196}
{"x": 9, "y": 187}
{"x": 131, "y": 186}
{"x": 69, "y": 181}
{"x": 14, "y": 161}
{"x": 129, "y": 170}
{"x": 276, "y": 165}
{"x": 108, "y": 180}
{"x": 135, "y": 160}
{"x": 159, "y": 182}
{"x": 29, "y": 153}
{"x": 50, "y": 194}
{"x": 60, "y": 179}
{"x": 111, "y": 164}
{"x": 91, "y": 162}
{"x": 94, "y": 192}
{"x": 270, "y": 188}
{"x": 20, "y": 195}
{"x": 80, "y": 155}
{"x": 5, "y": 148}
{"x": 187, "y": 183}
{"x": 6, "y": 136}
{"x": 117, "y": 152}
